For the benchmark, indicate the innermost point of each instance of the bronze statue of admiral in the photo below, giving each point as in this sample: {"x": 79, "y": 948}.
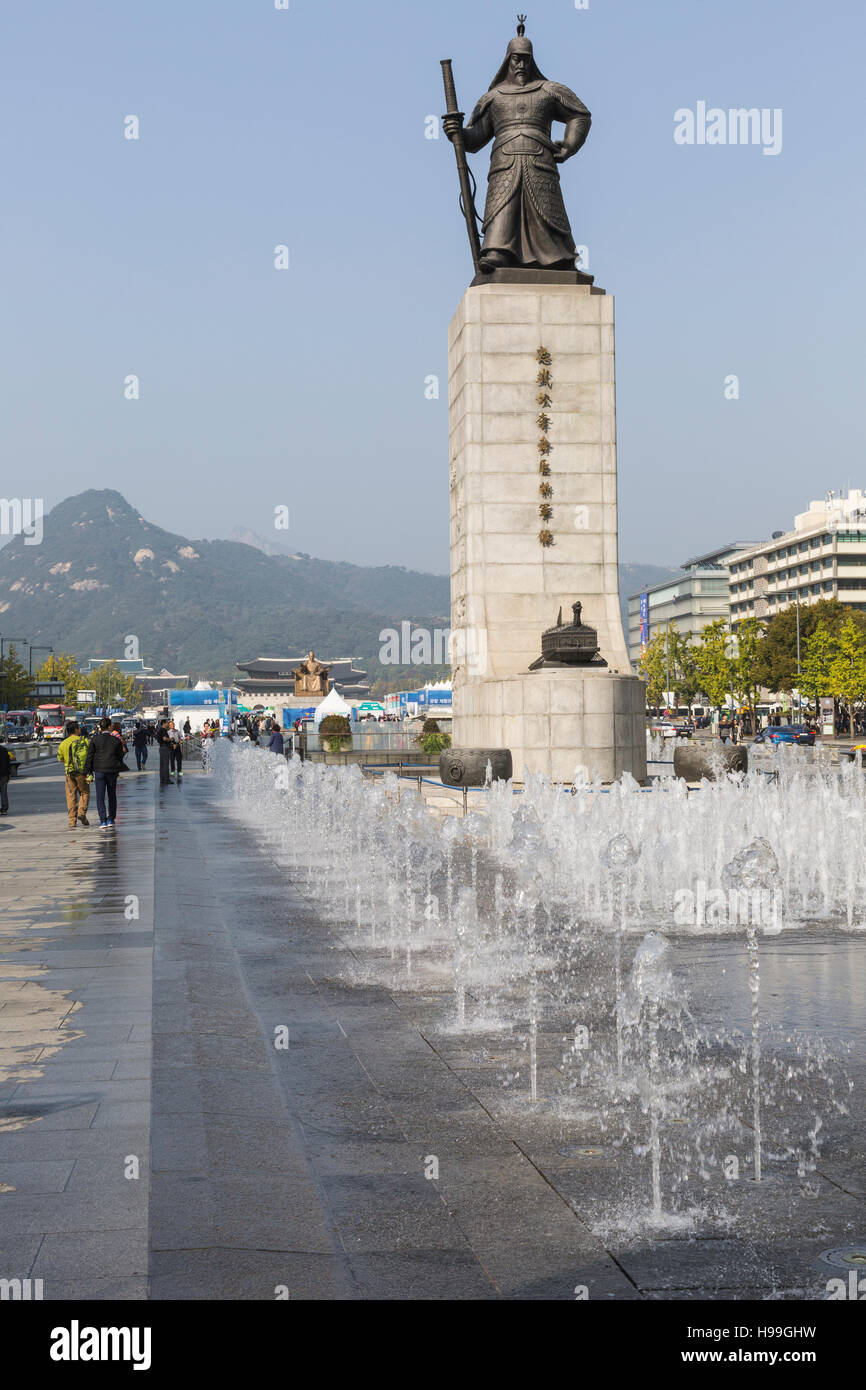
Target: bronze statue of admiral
{"x": 525, "y": 223}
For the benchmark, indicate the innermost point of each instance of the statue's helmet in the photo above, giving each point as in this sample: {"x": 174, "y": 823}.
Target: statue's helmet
{"x": 518, "y": 45}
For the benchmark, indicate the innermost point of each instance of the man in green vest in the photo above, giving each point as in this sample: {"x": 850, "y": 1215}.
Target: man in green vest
{"x": 72, "y": 753}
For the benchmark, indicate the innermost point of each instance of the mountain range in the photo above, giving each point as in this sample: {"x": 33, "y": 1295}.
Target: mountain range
{"x": 103, "y": 572}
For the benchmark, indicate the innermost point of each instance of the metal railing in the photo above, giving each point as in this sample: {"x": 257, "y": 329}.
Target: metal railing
{"x": 372, "y": 741}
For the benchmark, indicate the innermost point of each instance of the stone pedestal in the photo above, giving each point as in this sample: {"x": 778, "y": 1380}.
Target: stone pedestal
{"x": 506, "y": 585}
{"x": 560, "y": 721}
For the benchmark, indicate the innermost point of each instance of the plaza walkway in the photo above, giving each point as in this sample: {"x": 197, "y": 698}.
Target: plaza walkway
{"x": 261, "y": 1170}
{"x": 276, "y": 1137}
{"x": 75, "y": 1021}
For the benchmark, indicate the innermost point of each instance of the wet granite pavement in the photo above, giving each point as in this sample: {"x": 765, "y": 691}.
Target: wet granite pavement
{"x": 285, "y": 1122}
{"x": 76, "y": 939}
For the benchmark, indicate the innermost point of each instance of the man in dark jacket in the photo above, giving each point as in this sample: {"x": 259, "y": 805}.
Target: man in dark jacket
{"x": 175, "y": 750}
{"x": 275, "y": 743}
{"x": 139, "y": 743}
{"x": 104, "y": 757}
{"x": 5, "y": 774}
{"x": 164, "y": 743}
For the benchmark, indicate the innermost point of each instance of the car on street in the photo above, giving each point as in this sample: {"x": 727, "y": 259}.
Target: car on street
{"x": 20, "y": 726}
{"x": 668, "y": 730}
{"x": 786, "y": 733}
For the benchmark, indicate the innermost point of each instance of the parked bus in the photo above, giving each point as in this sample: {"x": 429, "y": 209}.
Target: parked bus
{"x": 54, "y": 719}
{"x": 20, "y": 725}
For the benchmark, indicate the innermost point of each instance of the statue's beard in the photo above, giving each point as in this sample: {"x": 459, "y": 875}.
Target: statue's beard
{"x": 520, "y": 79}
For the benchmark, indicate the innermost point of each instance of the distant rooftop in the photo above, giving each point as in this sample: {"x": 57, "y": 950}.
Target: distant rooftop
{"x": 718, "y": 558}
{"x": 835, "y": 511}
{"x": 128, "y": 665}
{"x": 276, "y": 666}
{"x": 710, "y": 560}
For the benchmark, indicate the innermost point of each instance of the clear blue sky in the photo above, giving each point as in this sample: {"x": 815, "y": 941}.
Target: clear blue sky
{"x": 306, "y": 387}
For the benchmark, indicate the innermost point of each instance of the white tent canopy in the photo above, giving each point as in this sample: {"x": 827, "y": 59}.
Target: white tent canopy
{"x": 332, "y": 704}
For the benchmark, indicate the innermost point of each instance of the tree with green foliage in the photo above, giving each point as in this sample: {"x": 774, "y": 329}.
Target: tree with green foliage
{"x": 684, "y": 675}
{"x": 748, "y": 635}
{"x": 669, "y": 664}
{"x": 63, "y": 668}
{"x": 776, "y": 656}
{"x": 819, "y": 653}
{"x": 652, "y": 666}
{"x": 847, "y": 673}
{"x": 16, "y": 683}
{"x": 113, "y": 686}
{"x": 714, "y": 664}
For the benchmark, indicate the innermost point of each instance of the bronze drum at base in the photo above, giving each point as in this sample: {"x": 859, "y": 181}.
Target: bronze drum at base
{"x": 694, "y": 761}
{"x": 467, "y": 767}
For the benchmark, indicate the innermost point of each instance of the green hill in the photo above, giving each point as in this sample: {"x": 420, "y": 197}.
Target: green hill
{"x": 103, "y": 572}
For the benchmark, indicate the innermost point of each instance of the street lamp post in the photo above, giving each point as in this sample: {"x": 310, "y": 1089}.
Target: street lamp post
{"x": 39, "y": 648}
{"x": 668, "y": 660}
{"x": 799, "y": 697}
{"x": 796, "y": 597}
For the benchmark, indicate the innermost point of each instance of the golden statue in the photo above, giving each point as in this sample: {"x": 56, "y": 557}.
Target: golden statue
{"x": 311, "y": 677}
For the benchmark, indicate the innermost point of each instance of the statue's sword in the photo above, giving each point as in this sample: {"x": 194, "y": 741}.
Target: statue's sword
{"x": 467, "y": 201}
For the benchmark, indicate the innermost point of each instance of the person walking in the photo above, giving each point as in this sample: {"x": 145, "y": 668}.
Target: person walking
{"x": 164, "y": 743}
{"x": 175, "y": 751}
{"x": 72, "y": 753}
{"x": 139, "y": 743}
{"x": 118, "y": 734}
{"x": 187, "y": 728}
{"x": 276, "y": 743}
{"x": 5, "y": 774}
{"x": 104, "y": 757}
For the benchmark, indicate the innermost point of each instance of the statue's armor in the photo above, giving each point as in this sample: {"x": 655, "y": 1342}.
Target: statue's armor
{"x": 519, "y": 120}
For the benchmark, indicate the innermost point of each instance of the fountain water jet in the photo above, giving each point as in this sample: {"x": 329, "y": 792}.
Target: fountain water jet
{"x": 619, "y": 856}
{"x": 754, "y": 869}
{"x": 659, "y": 1081}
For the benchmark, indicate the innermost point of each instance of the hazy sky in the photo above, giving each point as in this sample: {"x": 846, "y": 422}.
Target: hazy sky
{"x": 305, "y": 387}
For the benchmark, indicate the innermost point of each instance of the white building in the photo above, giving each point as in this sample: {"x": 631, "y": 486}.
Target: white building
{"x": 823, "y": 557}
{"x": 699, "y": 596}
